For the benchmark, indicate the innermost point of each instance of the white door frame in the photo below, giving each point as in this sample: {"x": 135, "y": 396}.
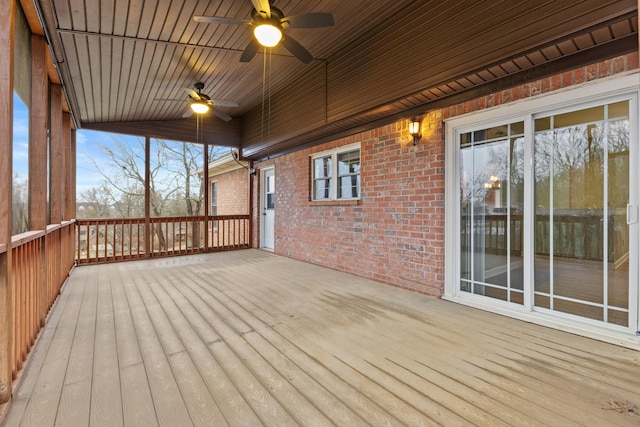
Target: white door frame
{"x": 266, "y": 235}
{"x": 606, "y": 88}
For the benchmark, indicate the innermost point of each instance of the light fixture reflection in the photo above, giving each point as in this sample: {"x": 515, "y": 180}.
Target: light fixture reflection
{"x": 199, "y": 107}
{"x": 267, "y": 35}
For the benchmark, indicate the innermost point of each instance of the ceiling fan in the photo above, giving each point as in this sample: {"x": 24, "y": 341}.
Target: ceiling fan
{"x": 200, "y": 103}
{"x": 268, "y": 23}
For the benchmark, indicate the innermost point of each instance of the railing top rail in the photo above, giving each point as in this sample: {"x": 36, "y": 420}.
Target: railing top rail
{"x": 26, "y": 237}
{"x": 53, "y": 227}
{"x": 86, "y": 221}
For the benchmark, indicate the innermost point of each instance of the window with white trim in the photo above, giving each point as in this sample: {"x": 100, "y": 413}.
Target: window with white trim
{"x": 214, "y": 198}
{"x": 335, "y": 174}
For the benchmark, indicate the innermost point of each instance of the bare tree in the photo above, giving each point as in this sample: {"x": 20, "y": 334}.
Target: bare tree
{"x": 175, "y": 180}
{"x": 19, "y": 205}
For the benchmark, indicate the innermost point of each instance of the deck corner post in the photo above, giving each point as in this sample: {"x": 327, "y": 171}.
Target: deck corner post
{"x": 7, "y": 37}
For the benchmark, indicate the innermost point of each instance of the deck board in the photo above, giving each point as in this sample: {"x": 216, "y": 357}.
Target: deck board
{"x": 250, "y": 338}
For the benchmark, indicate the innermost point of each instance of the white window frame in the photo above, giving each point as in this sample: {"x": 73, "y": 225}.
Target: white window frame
{"x": 213, "y": 199}
{"x": 333, "y": 155}
{"x": 525, "y": 110}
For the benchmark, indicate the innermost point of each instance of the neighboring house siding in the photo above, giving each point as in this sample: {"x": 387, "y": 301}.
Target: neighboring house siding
{"x": 395, "y": 234}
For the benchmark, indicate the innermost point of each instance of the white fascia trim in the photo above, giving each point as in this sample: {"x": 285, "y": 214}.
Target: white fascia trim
{"x": 592, "y": 90}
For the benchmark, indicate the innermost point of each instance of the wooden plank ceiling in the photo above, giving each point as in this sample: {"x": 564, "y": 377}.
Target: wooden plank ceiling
{"x": 380, "y": 61}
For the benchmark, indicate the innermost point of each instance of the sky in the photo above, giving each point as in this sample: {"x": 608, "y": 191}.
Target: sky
{"x": 87, "y": 148}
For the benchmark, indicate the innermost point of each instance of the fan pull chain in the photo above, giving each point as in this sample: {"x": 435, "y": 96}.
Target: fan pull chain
{"x": 269, "y": 98}
{"x": 264, "y": 84}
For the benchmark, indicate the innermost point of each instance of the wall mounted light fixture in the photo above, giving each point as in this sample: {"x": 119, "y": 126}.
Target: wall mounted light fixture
{"x": 414, "y": 129}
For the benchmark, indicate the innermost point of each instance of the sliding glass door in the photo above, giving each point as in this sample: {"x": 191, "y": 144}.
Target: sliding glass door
{"x": 581, "y": 195}
{"x": 491, "y": 206}
{"x": 544, "y": 212}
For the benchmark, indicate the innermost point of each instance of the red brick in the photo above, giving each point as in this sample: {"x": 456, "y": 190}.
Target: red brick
{"x": 396, "y": 233}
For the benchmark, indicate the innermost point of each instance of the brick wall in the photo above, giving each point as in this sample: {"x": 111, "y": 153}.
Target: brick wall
{"x": 396, "y": 233}
{"x": 233, "y": 192}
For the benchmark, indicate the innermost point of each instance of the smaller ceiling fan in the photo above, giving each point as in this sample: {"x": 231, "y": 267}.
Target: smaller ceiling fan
{"x": 269, "y": 24}
{"x": 200, "y": 103}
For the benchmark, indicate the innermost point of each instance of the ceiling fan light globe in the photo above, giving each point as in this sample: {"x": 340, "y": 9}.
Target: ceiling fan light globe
{"x": 199, "y": 107}
{"x": 267, "y": 35}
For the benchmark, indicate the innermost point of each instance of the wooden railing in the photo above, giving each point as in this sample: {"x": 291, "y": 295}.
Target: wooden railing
{"x": 119, "y": 239}
{"x": 40, "y": 262}
{"x": 578, "y": 234}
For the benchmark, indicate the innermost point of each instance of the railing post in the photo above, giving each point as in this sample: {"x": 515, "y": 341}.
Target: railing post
{"x": 147, "y": 198}
{"x": 38, "y": 116}
{"x": 7, "y": 30}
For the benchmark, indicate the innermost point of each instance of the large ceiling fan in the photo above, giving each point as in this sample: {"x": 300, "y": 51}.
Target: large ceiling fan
{"x": 269, "y": 23}
{"x": 200, "y": 103}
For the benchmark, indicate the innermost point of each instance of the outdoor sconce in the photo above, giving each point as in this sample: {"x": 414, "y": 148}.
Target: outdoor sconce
{"x": 495, "y": 183}
{"x": 414, "y": 130}
{"x": 267, "y": 34}
{"x": 199, "y": 107}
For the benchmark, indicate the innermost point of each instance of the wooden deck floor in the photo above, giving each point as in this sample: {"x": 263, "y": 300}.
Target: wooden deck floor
{"x": 250, "y": 338}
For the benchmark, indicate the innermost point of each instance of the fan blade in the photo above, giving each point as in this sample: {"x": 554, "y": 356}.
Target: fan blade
{"x": 222, "y": 115}
{"x": 262, "y": 6}
{"x": 296, "y": 48}
{"x": 308, "y": 20}
{"x": 250, "y": 51}
{"x": 220, "y": 20}
{"x": 188, "y": 113}
{"x": 193, "y": 94}
{"x": 219, "y": 103}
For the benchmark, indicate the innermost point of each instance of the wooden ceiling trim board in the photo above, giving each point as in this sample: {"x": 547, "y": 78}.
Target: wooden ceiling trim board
{"x": 161, "y": 12}
{"x": 106, "y": 16}
{"x": 179, "y": 15}
{"x": 121, "y": 17}
{"x": 158, "y": 71}
{"x": 94, "y": 51}
{"x": 523, "y": 62}
{"x": 146, "y": 19}
{"x": 552, "y": 52}
{"x": 126, "y": 59}
{"x": 602, "y": 35}
{"x": 216, "y": 35}
{"x": 63, "y": 13}
{"x": 536, "y": 58}
{"x": 214, "y": 132}
{"x": 105, "y": 77}
{"x": 31, "y": 14}
{"x": 52, "y": 71}
{"x": 584, "y": 41}
{"x": 567, "y": 47}
{"x": 114, "y": 81}
{"x": 136, "y": 51}
{"x": 621, "y": 28}
{"x": 133, "y": 17}
{"x": 83, "y": 79}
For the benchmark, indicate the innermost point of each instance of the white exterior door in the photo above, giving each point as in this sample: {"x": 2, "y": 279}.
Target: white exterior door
{"x": 267, "y": 204}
